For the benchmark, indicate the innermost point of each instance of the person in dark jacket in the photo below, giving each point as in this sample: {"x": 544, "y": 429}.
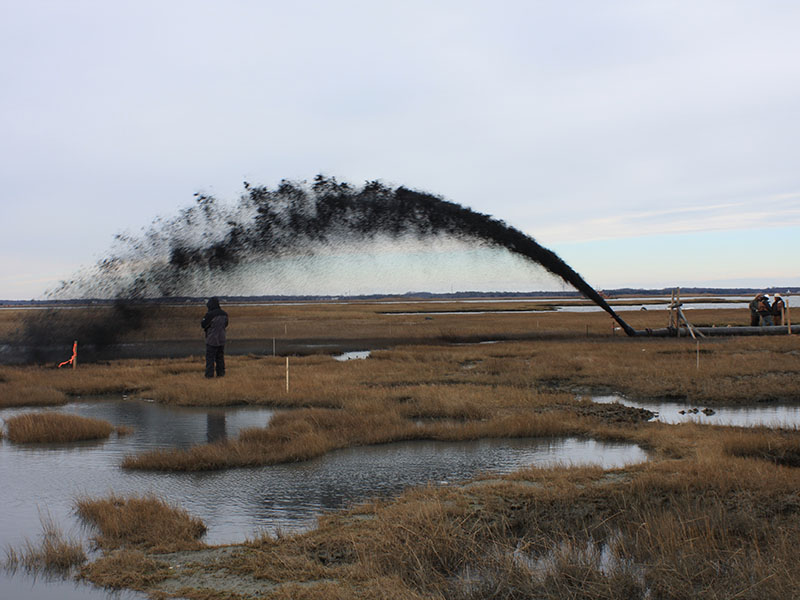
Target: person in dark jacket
{"x": 214, "y": 324}
{"x": 755, "y": 318}
{"x": 778, "y": 310}
{"x": 765, "y": 311}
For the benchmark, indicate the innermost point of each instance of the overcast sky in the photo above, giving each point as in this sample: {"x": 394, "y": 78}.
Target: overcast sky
{"x": 648, "y": 143}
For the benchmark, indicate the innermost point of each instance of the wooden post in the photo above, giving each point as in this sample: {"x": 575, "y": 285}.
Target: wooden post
{"x": 698, "y": 354}
{"x": 273, "y": 346}
{"x": 287, "y": 374}
{"x": 689, "y": 326}
{"x": 788, "y": 318}
{"x": 673, "y": 321}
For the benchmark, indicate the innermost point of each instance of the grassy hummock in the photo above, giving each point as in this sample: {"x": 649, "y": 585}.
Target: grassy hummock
{"x": 57, "y": 428}
{"x": 140, "y": 522}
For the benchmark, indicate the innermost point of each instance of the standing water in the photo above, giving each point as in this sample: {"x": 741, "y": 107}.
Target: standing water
{"x": 767, "y": 415}
{"x": 234, "y": 504}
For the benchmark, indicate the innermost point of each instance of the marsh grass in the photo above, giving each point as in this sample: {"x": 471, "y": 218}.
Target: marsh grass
{"x": 452, "y": 392}
{"x": 53, "y": 553}
{"x": 544, "y": 350}
{"x": 290, "y": 437}
{"x": 714, "y": 528}
{"x": 307, "y": 433}
{"x": 513, "y": 389}
{"x": 55, "y": 428}
{"x": 125, "y": 568}
{"x": 714, "y": 514}
{"x": 123, "y": 430}
{"x": 781, "y": 447}
{"x": 13, "y": 395}
{"x": 143, "y": 523}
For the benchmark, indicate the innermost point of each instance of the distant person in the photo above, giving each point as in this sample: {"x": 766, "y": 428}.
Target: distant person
{"x": 755, "y": 318}
{"x": 765, "y": 310}
{"x": 778, "y": 309}
{"x": 214, "y": 324}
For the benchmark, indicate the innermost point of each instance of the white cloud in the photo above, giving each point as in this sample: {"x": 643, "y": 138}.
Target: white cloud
{"x": 568, "y": 120}
{"x": 781, "y": 210}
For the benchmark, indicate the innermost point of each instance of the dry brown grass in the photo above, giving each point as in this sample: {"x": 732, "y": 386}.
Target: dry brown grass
{"x": 446, "y": 391}
{"x": 30, "y": 395}
{"x": 307, "y": 433}
{"x": 551, "y": 350}
{"x": 129, "y": 569}
{"x": 144, "y": 523}
{"x": 53, "y": 553}
{"x": 56, "y": 428}
{"x": 781, "y": 447}
{"x": 466, "y": 392}
{"x": 717, "y": 527}
{"x": 715, "y": 513}
{"x": 368, "y": 320}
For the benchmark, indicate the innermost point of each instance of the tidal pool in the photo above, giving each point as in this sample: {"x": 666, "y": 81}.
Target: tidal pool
{"x": 234, "y": 504}
{"x": 769, "y": 415}
{"x": 353, "y": 355}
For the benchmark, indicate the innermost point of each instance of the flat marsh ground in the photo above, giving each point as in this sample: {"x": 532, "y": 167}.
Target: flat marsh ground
{"x": 714, "y": 514}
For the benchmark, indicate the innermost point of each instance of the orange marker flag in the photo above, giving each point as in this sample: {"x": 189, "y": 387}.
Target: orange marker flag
{"x": 72, "y": 358}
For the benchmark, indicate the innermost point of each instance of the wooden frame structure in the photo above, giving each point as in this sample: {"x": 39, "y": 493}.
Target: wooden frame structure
{"x": 677, "y": 318}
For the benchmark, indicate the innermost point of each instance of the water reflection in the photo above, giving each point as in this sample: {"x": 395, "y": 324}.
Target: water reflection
{"x": 215, "y": 427}
{"x": 237, "y": 503}
{"x": 353, "y": 355}
{"x": 571, "y": 308}
{"x": 346, "y": 476}
{"x": 20, "y": 586}
{"x": 769, "y": 415}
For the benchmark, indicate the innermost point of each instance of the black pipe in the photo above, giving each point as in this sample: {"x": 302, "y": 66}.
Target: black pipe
{"x": 717, "y": 331}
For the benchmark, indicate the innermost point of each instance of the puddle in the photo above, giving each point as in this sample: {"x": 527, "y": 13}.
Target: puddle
{"x": 354, "y": 355}
{"x": 769, "y": 415}
{"x": 573, "y": 309}
{"x": 21, "y": 586}
{"x": 236, "y": 504}
{"x": 580, "y": 305}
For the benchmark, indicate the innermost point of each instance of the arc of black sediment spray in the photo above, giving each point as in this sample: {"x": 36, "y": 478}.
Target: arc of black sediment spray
{"x": 499, "y": 234}
{"x": 553, "y": 263}
{"x": 297, "y": 217}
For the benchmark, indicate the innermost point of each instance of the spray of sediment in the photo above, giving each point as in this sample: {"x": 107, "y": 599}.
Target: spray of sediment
{"x": 210, "y": 240}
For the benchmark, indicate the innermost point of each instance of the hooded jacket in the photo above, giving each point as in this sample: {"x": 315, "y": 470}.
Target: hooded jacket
{"x": 214, "y": 323}
{"x": 778, "y": 305}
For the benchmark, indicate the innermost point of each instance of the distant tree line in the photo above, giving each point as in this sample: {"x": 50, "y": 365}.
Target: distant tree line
{"x": 415, "y": 295}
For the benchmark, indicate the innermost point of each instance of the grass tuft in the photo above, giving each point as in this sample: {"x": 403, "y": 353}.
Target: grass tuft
{"x": 12, "y": 395}
{"x": 55, "y": 428}
{"x": 130, "y": 569}
{"x": 145, "y": 523}
{"x": 780, "y": 447}
{"x": 53, "y": 553}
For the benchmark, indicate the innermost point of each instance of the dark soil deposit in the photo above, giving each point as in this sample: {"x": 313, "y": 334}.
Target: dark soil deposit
{"x": 209, "y": 240}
